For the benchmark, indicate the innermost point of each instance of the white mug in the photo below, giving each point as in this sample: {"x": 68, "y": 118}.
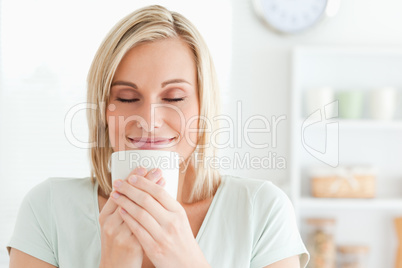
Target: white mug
{"x": 123, "y": 162}
{"x": 318, "y": 98}
{"x": 383, "y": 103}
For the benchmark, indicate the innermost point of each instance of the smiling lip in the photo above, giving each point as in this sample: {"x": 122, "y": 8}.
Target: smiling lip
{"x": 149, "y": 143}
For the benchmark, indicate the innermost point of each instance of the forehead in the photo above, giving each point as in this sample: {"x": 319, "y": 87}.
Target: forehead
{"x": 166, "y": 58}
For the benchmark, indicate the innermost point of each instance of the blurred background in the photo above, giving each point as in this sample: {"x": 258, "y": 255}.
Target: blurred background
{"x": 339, "y": 164}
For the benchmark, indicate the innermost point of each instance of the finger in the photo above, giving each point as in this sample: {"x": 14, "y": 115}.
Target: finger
{"x": 143, "y": 199}
{"x": 115, "y": 218}
{"x": 141, "y": 171}
{"x": 137, "y": 171}
{"x": 113, "y": 222}
{"x": 124, "y": 229}
{"x": 109, "y": 207}
{"x": 146, "y": 240}
{"x": 156, "y": 191}
{"x": 155, "y": 209}
{"x": 140, "y": 215}
{"x": 154, "y": 175}
{"x": 161, "y": 182}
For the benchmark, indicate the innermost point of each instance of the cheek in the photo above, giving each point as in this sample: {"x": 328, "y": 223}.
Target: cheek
{"x": 184, "y": 121}
{"x": 113, "y": 128}
{"x": 117, "y": 130}
{"x": 191, "y": 127}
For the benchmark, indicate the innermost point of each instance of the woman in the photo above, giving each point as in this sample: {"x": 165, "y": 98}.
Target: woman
{"x": 154, "y": 56}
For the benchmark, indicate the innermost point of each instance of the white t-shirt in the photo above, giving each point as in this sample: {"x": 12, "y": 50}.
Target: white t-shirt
{"x": 250, "y": 223}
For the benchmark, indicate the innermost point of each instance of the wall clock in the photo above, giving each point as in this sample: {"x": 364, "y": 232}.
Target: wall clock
{"x": 293, "y": 16}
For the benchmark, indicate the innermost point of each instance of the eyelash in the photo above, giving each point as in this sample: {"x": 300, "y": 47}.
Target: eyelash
{"x": 134, "y": 100}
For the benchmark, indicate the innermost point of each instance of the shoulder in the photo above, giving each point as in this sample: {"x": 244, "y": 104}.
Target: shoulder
{"x": 46, "y": 190}
{"x": 59, "y": 183}
{"x": 255, "y": 189}
{"x": 263, "y": 198}
{"x": 76, "y": 184}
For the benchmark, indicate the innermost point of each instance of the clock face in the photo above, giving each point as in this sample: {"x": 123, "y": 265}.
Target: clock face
{"x": 290, "y": 16}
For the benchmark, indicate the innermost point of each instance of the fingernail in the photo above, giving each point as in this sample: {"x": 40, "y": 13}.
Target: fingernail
{"x": 117, "y": 183}
{"x": 161, "y": 182}
{"x": 123, "y": 211}
{"x": 141, "y": 171}
{"x": 156, "y": 173}
{"x": 133, "y": 179}
{"x": 115, "y": 195}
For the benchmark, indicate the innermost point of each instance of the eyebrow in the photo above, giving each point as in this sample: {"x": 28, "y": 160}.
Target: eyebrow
{"x": 164, "y": 84}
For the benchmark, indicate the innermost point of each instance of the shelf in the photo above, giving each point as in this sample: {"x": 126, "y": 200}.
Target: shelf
{"x": 365, "y": 124}
{"x": 396, "y": 124}
{"x": 351, "y": 203}
{"x": 358, "y": 141}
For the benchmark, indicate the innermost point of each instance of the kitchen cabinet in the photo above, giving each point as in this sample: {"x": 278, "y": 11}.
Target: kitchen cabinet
{"x": 360, "y": 141}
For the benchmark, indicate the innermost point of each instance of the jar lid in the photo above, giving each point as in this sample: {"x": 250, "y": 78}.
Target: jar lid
{"x": 353, "y": 249}
{"x": 344, "y": 171}
{"x": 320, "y": 221}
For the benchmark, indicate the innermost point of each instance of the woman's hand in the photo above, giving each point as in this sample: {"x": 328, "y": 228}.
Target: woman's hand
{"x": 119, "y": 247}
{"x": 159, "y": 222}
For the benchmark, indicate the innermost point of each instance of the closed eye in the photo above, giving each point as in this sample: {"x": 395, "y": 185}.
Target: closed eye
{"x": 135, "y": 100}
{"x": 174, "y": 100}
{"x": 127, "y": 100}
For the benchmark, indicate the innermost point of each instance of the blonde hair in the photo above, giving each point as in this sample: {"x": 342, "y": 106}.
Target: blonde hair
{"x": 146, "y": 25}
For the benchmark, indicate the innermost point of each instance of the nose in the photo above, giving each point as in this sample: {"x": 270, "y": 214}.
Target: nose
{"x": 150, "y": 118}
